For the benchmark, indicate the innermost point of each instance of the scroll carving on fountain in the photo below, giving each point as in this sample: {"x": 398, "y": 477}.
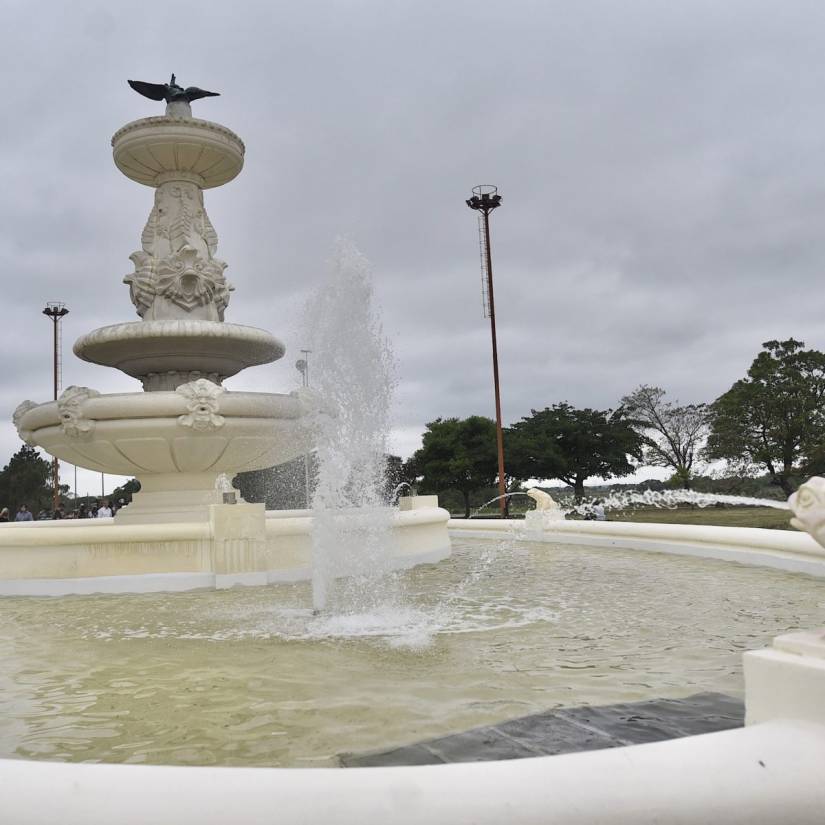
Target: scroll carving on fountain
{"x": 186, "y": 427}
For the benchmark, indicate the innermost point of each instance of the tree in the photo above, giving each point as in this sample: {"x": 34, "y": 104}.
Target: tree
{"x": 572, "y": 445}
{"x": 672, "y": 434}
{"x": 457, "y": 454}
{"x": 774, "y": 418}
{"x": 27, "y": 479}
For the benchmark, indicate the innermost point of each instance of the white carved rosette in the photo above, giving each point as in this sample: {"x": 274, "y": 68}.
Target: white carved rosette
{"x": 202, "y": 405}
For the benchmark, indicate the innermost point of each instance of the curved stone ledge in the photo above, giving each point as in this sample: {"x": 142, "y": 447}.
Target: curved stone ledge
{"x": 761, "y": 775}
{"x": 237, "y": 544}
{"x": 143, "y": 348}
{"x": 779, "y": 549}
{"x": 166, "y": 404}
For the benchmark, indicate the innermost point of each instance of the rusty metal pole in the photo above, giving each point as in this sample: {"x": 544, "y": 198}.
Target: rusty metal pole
{"x": 502, "y": 487}
{"x": 55, "y": 464}
{"x": 484, "y": 200}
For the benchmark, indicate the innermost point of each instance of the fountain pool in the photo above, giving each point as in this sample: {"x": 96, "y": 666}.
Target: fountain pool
{"x": 502, "y": 629}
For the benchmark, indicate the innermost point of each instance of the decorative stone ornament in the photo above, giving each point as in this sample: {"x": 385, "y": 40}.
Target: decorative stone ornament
{"x": 70, "y": 408}
{"x": 176, "y": 274}
{"x": 808, "y": 507}
{"x": 17, "y": 418}
{"x": 202, "y": 402}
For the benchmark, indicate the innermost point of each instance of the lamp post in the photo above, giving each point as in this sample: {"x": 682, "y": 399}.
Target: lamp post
{"x": 484, "y": 200}
{"x": 56, "y": 311}
{"x": 302, "y": 365}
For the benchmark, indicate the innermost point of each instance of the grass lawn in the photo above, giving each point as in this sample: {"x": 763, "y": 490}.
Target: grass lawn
{"x": 768, "y": 517}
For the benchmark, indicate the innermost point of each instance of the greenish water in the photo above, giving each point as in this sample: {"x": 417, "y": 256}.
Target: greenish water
{"x": 251, "y": 677}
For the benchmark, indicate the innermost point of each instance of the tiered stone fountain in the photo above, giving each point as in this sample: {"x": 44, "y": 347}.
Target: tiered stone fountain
{"x": 185, "y": 428}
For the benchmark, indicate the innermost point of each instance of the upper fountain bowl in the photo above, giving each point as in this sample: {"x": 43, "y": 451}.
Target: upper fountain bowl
{"x": 154, "y": 150}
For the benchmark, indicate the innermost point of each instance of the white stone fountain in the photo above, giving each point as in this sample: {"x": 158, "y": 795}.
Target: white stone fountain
{"x": 185, "y": 428}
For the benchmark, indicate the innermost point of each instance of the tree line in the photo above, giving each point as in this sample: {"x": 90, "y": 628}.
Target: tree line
{"x": 770, "y": 422}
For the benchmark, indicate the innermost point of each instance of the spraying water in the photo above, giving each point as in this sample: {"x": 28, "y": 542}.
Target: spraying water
{"x": 665, "y": 499}
{"x": 354, "y": 373}
{"x": 670, "y": 499}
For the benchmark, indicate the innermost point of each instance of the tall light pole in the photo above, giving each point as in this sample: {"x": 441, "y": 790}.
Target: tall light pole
{"x": 56, "y": 310}
{"x": 484, "y": 200}
{"x": 302, "y": 365}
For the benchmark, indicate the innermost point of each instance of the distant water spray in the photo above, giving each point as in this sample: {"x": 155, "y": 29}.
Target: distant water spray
{"x": 354, "y": 373}
{"x": 670, "y": 499}
{"x": 664, "y": 499}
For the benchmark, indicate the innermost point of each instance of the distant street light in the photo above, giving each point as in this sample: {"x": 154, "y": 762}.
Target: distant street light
{"x": 56, "y": 310}
{"x": 484, "y": 200}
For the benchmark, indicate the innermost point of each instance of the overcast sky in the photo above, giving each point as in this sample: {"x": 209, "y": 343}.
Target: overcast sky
{"x": 662, "y": 167}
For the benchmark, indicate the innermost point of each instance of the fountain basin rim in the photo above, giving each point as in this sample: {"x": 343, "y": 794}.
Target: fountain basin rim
{"x": 180, "y": 123}
{"x": 141, "y": 348}
{"x": 110, "y": 556}
{"x": 165, "y": 433}
{"x": 715, "y": 777}
{"x": 786, "y": 550}
{"x": 166, "y": 404}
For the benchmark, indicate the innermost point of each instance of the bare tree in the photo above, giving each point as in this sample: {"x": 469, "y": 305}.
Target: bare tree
{"x": 673, "y": 435}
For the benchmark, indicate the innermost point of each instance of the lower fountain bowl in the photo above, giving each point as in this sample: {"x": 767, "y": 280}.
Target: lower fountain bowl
{"x": 200, "y": 428}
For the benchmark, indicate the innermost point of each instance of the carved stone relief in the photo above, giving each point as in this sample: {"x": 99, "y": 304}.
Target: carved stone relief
{"x": 808, "y": 506}
{"x": 70, "y": 408}
{"x": 202, "y": 402}
{"x": 17, "y": 417}
{"x": 176, "y": 274}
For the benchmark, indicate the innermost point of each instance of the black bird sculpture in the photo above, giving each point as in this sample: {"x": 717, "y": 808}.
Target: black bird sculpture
{"x": 169, "y": 91}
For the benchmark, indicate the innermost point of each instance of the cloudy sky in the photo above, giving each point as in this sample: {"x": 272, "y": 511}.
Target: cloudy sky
{"x": 662, "y": 167}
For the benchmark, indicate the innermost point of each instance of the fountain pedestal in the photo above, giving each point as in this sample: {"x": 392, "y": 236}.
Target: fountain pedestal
{"x": 185, "y": 428}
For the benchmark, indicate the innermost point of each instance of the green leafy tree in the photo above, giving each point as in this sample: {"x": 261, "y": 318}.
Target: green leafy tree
{"x": 458, "y": 454}
{"x": 26, "y": 479}
{"x": 572, "y": 445}
{"x": 775, "y": 417}
{"x": 672, "y": 434}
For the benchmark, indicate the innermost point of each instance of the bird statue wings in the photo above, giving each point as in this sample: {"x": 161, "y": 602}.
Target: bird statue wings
{"x": 169, "y": 91}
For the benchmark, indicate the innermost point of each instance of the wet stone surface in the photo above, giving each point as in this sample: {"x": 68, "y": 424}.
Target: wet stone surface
{"x": 568, "y": 730}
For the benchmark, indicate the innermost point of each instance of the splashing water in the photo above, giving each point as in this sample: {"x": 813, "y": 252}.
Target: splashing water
{"x": 354, "y": 373}
{"x": 398, "y": 489}
{"x": 493, "y": 500}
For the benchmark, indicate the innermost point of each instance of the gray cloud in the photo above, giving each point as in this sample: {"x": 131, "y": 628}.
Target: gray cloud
{"x": 659, "y": 165}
